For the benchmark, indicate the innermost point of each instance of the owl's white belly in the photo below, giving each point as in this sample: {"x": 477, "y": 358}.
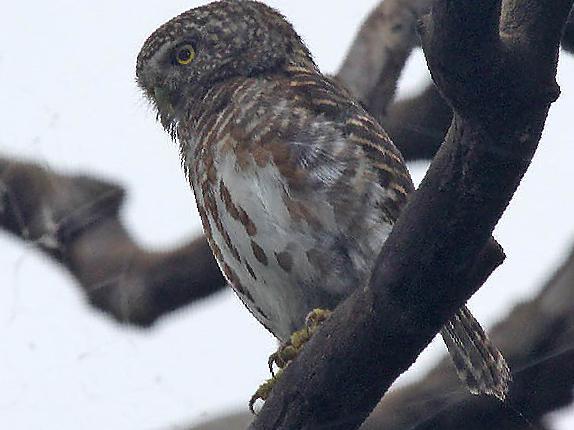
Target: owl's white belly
{"x": 275, "y": 263}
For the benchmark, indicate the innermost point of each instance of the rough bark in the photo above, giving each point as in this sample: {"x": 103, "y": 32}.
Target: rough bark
{"x": 373, "y": 66}
{"x": 537, "y": 338}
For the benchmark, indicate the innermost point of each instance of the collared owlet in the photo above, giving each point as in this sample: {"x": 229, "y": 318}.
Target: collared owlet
{"x": 296, "y": 184}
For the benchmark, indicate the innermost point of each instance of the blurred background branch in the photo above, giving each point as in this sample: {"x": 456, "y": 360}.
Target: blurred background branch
{"x": 75, "y": 221}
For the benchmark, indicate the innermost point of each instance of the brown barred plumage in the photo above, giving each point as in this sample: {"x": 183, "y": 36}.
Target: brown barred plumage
{"x": 296, "y": 184}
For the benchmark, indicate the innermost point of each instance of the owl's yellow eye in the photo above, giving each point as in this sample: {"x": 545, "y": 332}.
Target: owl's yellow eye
{"x": 185, "y": 54}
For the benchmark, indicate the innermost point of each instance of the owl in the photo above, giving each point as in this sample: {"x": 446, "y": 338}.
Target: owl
{"x": 297, "y": 186}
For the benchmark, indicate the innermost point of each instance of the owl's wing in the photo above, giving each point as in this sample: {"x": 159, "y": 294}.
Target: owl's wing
{"x": 358, "y": 140}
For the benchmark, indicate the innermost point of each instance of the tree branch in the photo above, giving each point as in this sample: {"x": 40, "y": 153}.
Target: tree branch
{"x": 376, "y": 58}
{"x": 419, "y": 280}
{"x": 568, "y": 38}
{"x": 418, "y": 124}
{"x": 74, "y": 220}
{"x": 537, "y": 338}
{"x": 372, "y": 68}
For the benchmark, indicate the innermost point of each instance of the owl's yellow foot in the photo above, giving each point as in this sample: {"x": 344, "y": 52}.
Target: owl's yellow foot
{"x": 289, "y": 351}
{"x": 316, "y": 317}
{"x": 264, "y": 390}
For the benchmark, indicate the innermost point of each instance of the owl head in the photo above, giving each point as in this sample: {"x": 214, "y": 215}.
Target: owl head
{"x": 184, "y": 57}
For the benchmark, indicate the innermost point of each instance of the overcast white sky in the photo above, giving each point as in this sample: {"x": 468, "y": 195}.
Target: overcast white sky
{"x": 69, "y": 102}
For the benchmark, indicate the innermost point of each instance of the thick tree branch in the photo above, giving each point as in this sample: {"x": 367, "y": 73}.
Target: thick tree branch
{"x": 568, "y": 38}
{"x": 74, "y": 219}
{"x": 537, "y": 338}
{"x": 419, "y": 280}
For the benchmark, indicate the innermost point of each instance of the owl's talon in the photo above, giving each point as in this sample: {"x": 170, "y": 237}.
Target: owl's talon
{"x": 264, "y": 390}
{"x": 282, "y": 357}
{"x": 287, "y": 352}
{"x": 271, "y": 361}
{"x": 316, "y": 317}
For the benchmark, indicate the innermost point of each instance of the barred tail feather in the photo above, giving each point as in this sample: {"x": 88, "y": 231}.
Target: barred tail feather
{"x": 479, "y": 364}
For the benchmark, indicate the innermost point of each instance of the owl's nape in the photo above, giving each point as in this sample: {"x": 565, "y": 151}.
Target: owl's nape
{"x": 297, "y": 186}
